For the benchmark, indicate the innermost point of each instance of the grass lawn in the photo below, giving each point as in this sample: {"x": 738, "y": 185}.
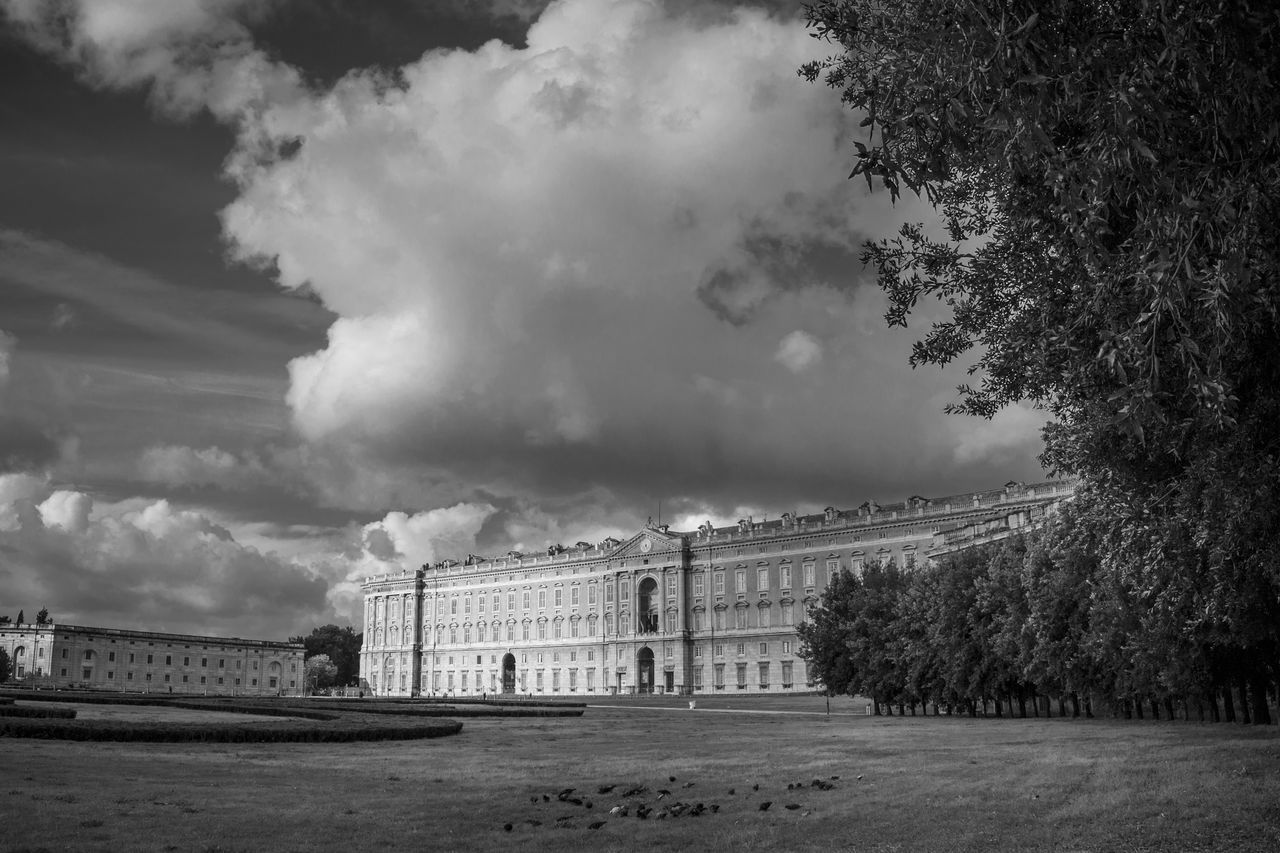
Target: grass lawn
{"x": 926, "y": 784}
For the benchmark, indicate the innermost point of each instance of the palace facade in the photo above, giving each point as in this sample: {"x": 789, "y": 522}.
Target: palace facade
{"x": 707, "y": 611}
{"x": 66, "y": 656}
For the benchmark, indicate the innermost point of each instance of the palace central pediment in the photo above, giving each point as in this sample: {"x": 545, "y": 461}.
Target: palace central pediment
{"x": 649, "y": 542}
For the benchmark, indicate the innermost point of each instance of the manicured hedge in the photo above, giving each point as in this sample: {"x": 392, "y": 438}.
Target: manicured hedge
{"x": 263, "y": 710}
{"x": 333, "y": 731}
{"x": 29, "y": 711}
{"x": 431, "y": 710}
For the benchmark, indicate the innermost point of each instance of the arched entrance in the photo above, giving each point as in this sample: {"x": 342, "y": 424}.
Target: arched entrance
{"x": 508, "y": 673}
{"x": 644, "y": 670}
{"x": 648, "y": 609}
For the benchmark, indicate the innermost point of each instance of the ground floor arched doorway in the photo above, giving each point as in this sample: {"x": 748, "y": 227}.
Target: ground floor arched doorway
{"x": 644, "y": 670}
{"x": 509, "y": 673}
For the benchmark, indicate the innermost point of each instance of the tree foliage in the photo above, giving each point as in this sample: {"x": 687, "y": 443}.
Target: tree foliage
{"x": 6, "y": 666}
{"x": 321, "y": 672}
{"x": 340, "y": 645}
{"x": 1105, "y": 176}
{"x": 1008, "y": 625}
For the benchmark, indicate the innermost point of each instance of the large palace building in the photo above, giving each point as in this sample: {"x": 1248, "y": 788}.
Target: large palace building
{"x": 708, "y": 611}
{"x": 53, "y": 656}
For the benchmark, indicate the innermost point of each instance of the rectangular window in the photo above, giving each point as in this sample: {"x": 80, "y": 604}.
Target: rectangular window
{"x": 111, "y": 656}
{"x": 497, "y": 601}
{"x": 740, "y": 618}
{"x": 784, "y": 577}
{"x": 166, "y": 678}
{"x": 555, "y": 679}
{"x": 808, "y": 574}
{"x": 185, "y": 679}
{"x": 719, "y": 650}
{"x": 453, "y": 606}
{"x": 186, "y": 661}
{"x": 742, "y": 676}
{"x": 130, "y": 655}
{"x": 787, "y": 617}
{"x": 542, "y": 630}
{"x": 88, "y": 673}
{"x": 719, "y": 620}
{"x": 573, "y": 628}
{"x": 64, "y": 655}
{"x": 150, "y": 658}
{"x": 591, "y": 679}
{"x": 557, "y": 629}
{"x": 591, "y": 599}
{"x": 762, "y": 579}
{"x": 742, "y": 649}
{"x": 719, "y": 676}
{"x": 699, "y": 584}
{"x": 608, "y": 593}
{"x": 697, "y": 678}
{"x": 670, "y": 652}
{"x": 542, "y": 599}
{"x": 480, "y": 604}
{"x": 573, "y": 597}
{"x": 697, "y": 650}
{"x": 763, "y": 615}
{"x": 168, "y": 660}
{"x": 440, "y": 607}
{"x": 719, "y": 583}
{"x": 573, "y": 679}
{"x": 524, "y": 599}
{"x": 764, "y": 675}
{"x": 538, "y": 680}
{"x": 671, "y": 587}
{"x": 786, "y": 647}
{"x": 833, "y": 566}
{"x": 511, "y": 602}
{"x": 204, "y": 662}
{"x": 624, "y": 592}
{"x": 128, "y": 676}
{"x": 786, "y": 674}
{"x": 740, "y": 581}
{"x": 558, "y": 597}
{"x": 466, "y": 606}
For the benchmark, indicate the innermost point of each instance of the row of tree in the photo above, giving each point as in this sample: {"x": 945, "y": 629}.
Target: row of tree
{"x": 42, "y": 618}
{"x": 1036, "y": 620}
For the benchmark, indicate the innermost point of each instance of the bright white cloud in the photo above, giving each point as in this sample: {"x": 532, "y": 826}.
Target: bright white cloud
{"x": 190, "y": 54}
{"x": 68, "y": 510}
{"x": 798, "y": 351}
{"x": 409, "y": 541}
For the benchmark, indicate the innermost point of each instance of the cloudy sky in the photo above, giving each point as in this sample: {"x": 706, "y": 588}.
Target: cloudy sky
{"x": 293, "y": 292}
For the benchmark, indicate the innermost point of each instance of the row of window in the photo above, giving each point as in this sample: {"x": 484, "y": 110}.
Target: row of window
{"x": 646, "y": 623}
{"x": 87, "y": 675}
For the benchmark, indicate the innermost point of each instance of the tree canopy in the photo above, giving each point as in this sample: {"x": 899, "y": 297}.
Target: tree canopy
{"x": 1104, "y": 173}
{"x": 340, "y": 645}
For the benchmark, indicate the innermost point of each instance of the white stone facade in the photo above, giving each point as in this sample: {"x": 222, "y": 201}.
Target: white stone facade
{"x": 706, "y": 611}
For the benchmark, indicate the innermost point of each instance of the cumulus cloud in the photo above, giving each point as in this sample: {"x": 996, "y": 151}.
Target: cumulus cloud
{"x": 408, "y": 541}
{"x": 798, "y": 351}
{"x": 178, "y": 465}
{"x": 147, "y": 565}
{"x": 189, "y": 54}
{"x": 532, "y": 251}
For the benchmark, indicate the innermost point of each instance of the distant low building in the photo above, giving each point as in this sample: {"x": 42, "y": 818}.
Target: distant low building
{"x": 713, "y": 610}
{"x": 65, "y": 656}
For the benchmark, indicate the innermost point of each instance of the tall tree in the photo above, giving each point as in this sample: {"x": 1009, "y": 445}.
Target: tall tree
{"x": 6, "y": 666}
{"x": 341, "y": 645}
{"x": 1104, "y": 174}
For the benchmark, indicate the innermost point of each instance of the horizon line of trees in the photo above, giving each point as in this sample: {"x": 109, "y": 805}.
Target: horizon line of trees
{"x": 1018, "y": 626}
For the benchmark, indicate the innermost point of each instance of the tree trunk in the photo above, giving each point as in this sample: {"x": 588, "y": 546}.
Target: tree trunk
{"x": 1155, "y": 709}
{"x": 1088, "y": 708}
{"x": 973, "y": 708}
{"x": 1228, "y": 706}
{"x": 1261, "y": 713}
{"x": 1128, "y": 709}
{"x": 999, "y": 708}
{"x": 1075, "y": 705}
{"x": 1022, "y": 706}
{"x": 1168, "y": 708}
{"x": 1244, "y": 704}
{"x": 1062, "y": 705}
